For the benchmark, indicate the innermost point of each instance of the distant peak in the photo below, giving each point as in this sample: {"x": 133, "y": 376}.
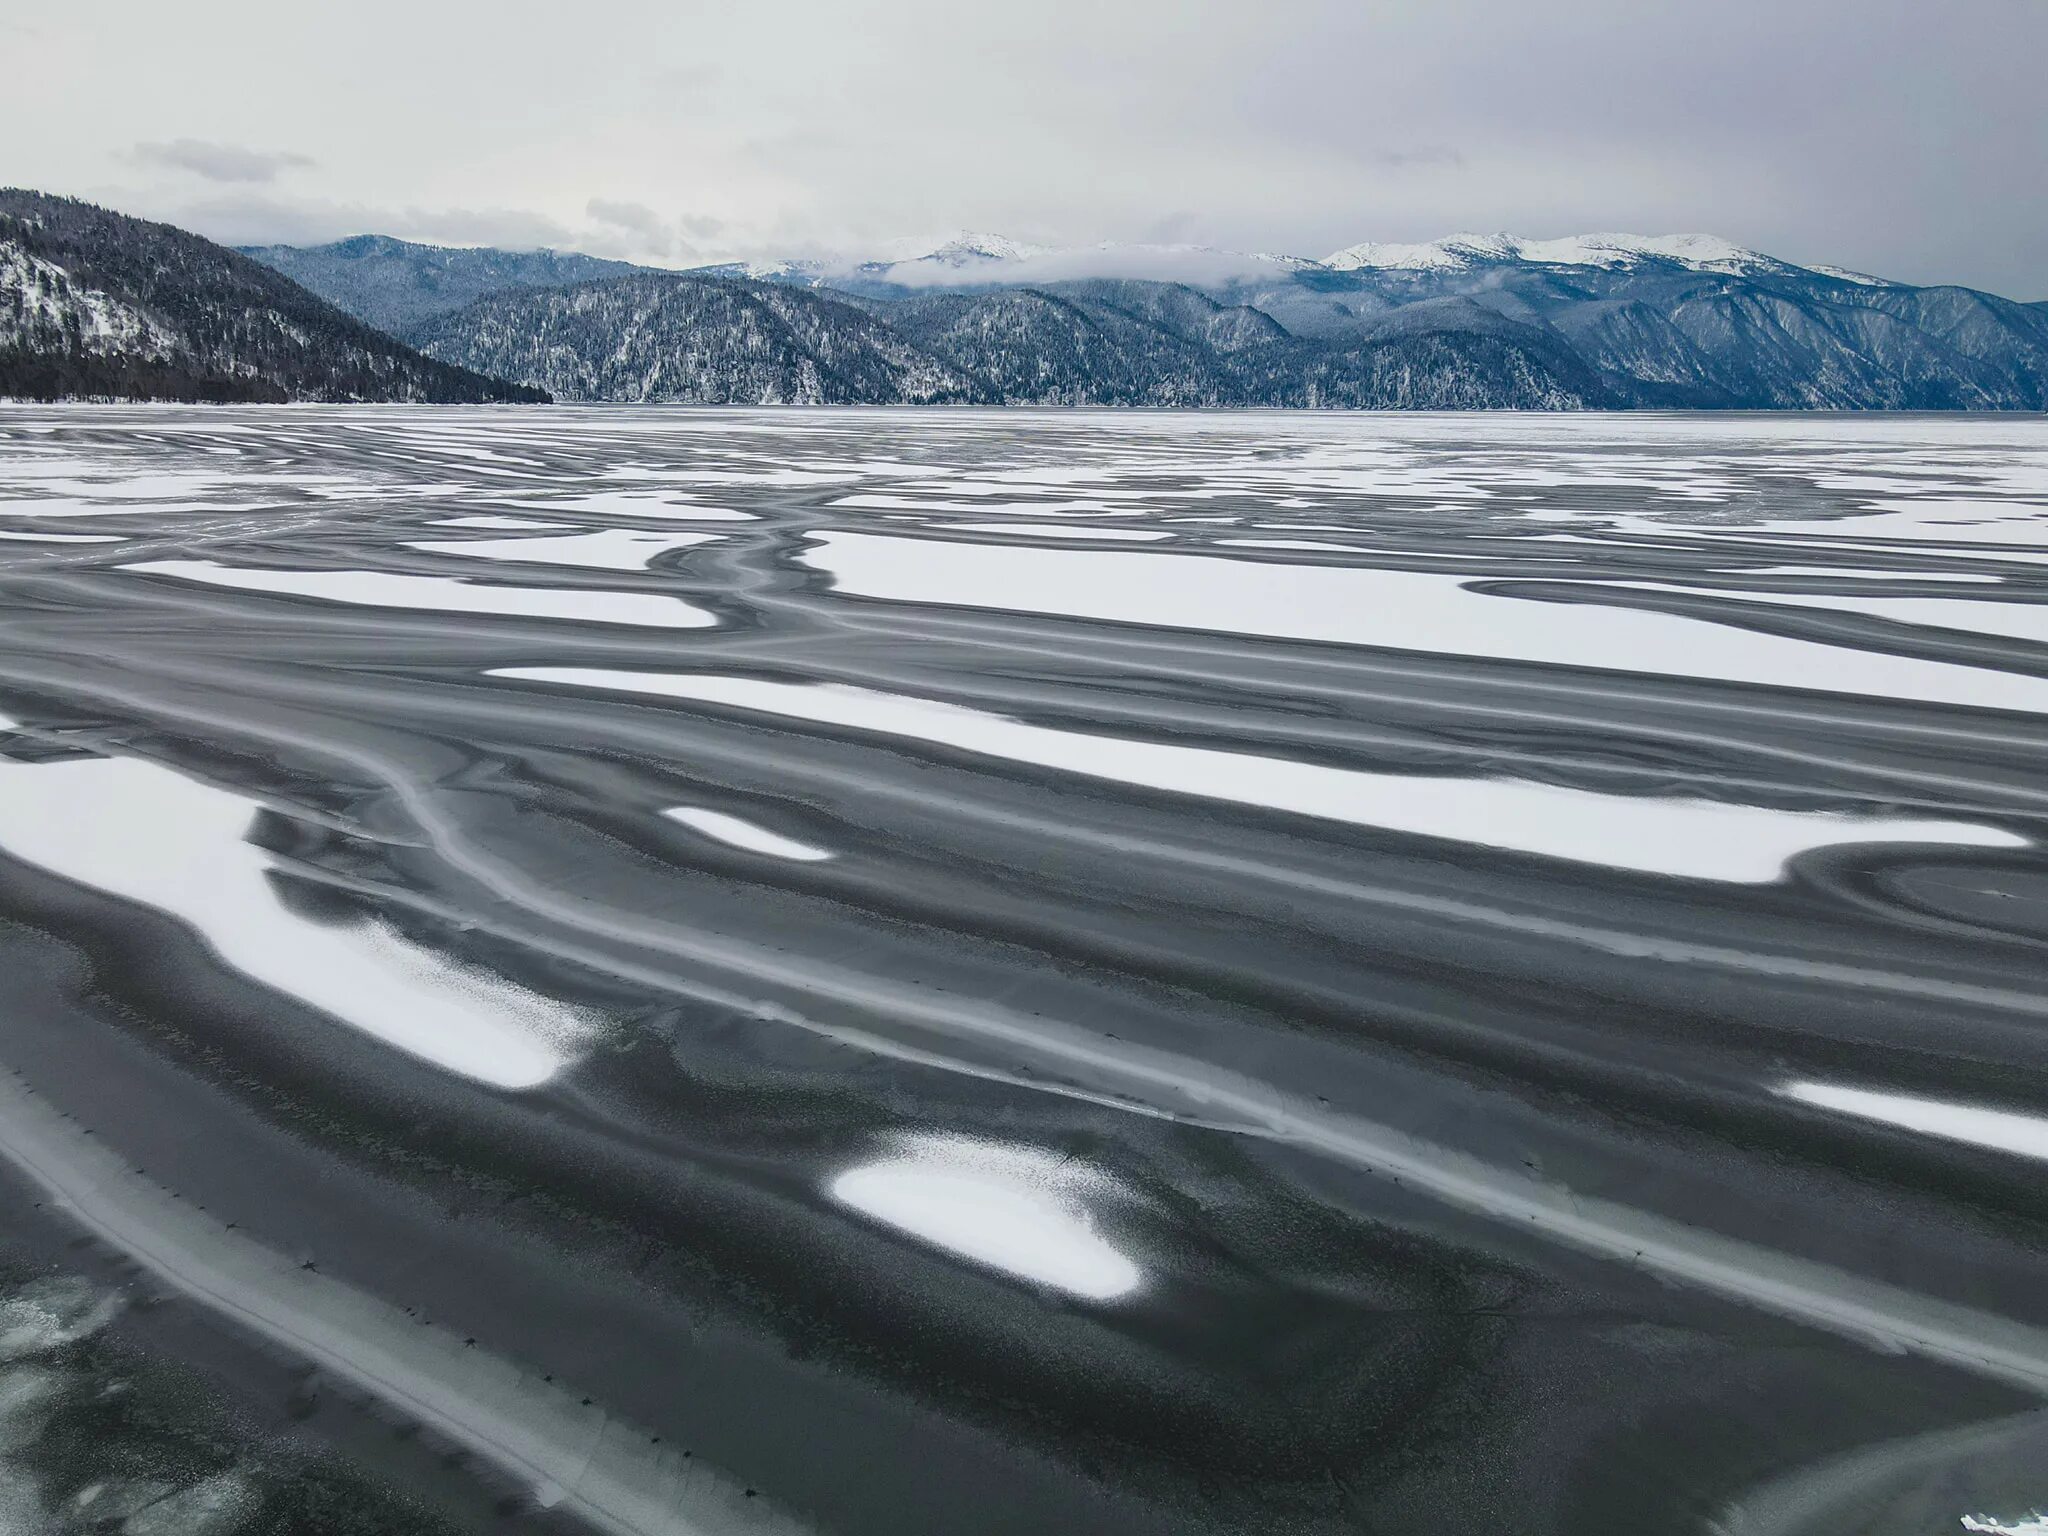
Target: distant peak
{"x": 970, "y": 247}
{"x": 1699, "y": 253}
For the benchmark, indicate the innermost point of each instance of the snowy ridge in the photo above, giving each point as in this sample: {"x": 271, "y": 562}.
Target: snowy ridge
{"x": 969, "y": 246}
{"x": 779, "y": 268}
{"x": 1469, "y": 322}
{"x": 986, "y": 259}
{"x": 1848, "y": 275}
{"x": 980, "y": 258}
{"x": 1457, "y": 253}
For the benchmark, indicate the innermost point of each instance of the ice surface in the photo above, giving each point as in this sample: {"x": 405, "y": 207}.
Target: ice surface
{"x": 149, "y": 834}
{"x": 1015, "y": 1209}
{"x": 875, "y": 501}
{"x": 1314, "y": 544}
{"x": 1403, "y": 610}
{"x": 50, "y": 1312}
{"x": 1858, "y": 573}
{"x": 638, "y": 504}
{"x": 1700, "y": 839}
{"x": 605, "y": 1472}
{"x": 2019, "y": 620}
{"x": 1061, "y": 531}
{"x": 443, "y": 594}
{"x": 608, "y": 549}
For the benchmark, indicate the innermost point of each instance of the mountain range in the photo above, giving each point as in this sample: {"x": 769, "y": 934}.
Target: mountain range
{"x": 394, "y": 284}
{"x": 1470, "y": 321}
{"x": 1463, "y": 322}
{"x": 94, "y": 303}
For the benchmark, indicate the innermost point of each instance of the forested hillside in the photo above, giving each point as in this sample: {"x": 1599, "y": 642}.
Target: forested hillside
{"x": 94, "y": 304}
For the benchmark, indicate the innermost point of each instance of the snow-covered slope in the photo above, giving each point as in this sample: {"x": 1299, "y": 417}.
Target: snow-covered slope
{"x": 1458, "y": 253}
{"x": 49, "y": 307}
{"x": 979, "y": 259}
{"x": 721, "y": 339}
{"x": 1849, "y": 275}
{"x": 686, "y": 338}
{"x": 93, "y": 303}
{"x": 972, "y": 248}
{"x": 1683, "y": 321}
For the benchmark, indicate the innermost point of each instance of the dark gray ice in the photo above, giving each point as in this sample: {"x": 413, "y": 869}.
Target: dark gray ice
{"x": 896, "y": 972}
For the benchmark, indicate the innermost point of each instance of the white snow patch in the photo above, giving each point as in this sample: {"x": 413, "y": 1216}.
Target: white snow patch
{"x": 2016, "y": 620}
{"x": 441, "y": 594}
{"x": 1058, "y": 531}
{"x": 63, "y": 480}
{"x": 607, "y": 549}
{"x": 1316, "y": 544}
{"x": 1457, "y": 253}
{"x": 1015, "y": 1209}
{"x": 881, "y": 501}
{"x": 1952, "y": 521}
{"x": 1699, "y": 839}
{"x": 509, "y": 524}
{"x": 145, "y": 833}
{"x": 745, "y": 834}
{"x": 1415, "y": 611}
{"x": 641, "y": 504}
{"x": 1849, "y": 275}
{"x": 1858, "y": 573}
{"x": 779, "y": 475}
{"x": 2001, "y": 1130}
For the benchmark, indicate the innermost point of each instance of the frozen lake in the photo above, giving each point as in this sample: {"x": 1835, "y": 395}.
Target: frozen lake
{"x": 893, "y": 972}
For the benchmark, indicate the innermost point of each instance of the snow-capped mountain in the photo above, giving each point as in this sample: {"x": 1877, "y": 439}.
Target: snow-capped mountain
{"x": 912, "y": 262}
{"x": 968, "y": 248}
{"x": 1849, "y": 275}
{"x": 974, "y": 260}
{"x": 968, "y": 258}
{"x": 1686, "y": 321}
{"x": 1460, "y": 253}
{"x": 1468, "y": 322}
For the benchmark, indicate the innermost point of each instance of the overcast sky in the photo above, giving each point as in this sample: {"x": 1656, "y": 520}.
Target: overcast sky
{"x": 1906, "y": 139}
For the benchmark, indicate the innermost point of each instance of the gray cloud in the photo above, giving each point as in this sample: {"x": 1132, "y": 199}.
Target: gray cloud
{"x": 256, "y": 216}
{"x": 263, "y": 218}
{"x": 636, "y": 216}
{"x": 1860, "y": 132}
{"x": 635, "y": 219}
{"x": 1422, "y": 157}
{"x": 218, "y": 162}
